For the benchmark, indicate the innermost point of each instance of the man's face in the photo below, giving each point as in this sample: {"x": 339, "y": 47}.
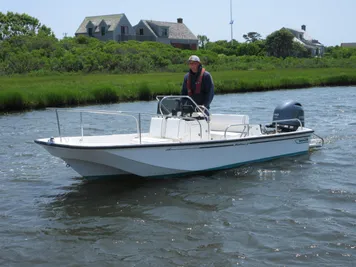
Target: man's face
{"x": 194, "y": 65}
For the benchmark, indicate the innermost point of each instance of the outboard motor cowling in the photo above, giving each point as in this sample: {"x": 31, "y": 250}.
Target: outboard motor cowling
{"x": 286, "y": 115}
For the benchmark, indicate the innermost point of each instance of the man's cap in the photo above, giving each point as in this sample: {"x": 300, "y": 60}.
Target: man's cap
{"x": 194, "y": 58}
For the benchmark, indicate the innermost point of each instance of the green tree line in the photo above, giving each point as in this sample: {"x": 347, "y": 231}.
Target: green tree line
{"x": 27, "y": 46}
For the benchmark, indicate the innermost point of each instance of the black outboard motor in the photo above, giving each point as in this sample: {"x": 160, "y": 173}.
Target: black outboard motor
{"x": 288, "y": 110}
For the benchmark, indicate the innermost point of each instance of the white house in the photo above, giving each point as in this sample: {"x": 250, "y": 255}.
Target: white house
{"x": 176, "y": 34}
{"x": 313, "y": 45}
{"x": 107, "y": 27}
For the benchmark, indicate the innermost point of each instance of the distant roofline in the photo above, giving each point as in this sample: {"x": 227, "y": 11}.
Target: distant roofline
{"x": 153, "y": 21}
{"x": 111, "y": 15}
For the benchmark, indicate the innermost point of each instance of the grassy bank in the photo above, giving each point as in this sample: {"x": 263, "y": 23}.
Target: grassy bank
{"x": 19, "y": 93}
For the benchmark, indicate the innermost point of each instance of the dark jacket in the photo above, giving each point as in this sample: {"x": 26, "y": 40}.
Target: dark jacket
{"x": 206, "y": 91}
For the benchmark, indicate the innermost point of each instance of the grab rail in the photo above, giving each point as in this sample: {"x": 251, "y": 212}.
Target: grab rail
{"x": 106, "y": 112}
{"x": 191, "y": 119}
{"x": 241, "y": 132}
{"x": 198, "y": 108}
{"x": 322, "y": 139}
{"x": 295, "y": 119}
{"x": 314, "y": 143}
{"x": 134, "y": 115}
{"x": 201, "y": 109}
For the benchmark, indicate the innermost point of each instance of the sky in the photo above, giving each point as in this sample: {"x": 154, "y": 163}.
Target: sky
{"x": 331, "y": 22}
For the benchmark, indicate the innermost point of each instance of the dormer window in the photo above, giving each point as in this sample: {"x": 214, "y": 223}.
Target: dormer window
{"x": 124, "y": 30}
{"x": 141, "y": 31}
{"x": 103, "y": 30}
{"x": 90, "y": 28}
{"x": 165, "y": 32}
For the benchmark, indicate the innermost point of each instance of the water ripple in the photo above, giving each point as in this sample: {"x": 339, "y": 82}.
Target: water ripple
{"x": 297, "y": 211}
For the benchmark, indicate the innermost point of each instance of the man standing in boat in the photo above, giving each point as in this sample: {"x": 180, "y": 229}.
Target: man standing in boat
{"x": 198, "y": 83}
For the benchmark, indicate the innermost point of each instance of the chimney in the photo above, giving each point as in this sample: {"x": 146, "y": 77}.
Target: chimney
{"x": 179, "y": 20}
{"x": 304, "y": 28}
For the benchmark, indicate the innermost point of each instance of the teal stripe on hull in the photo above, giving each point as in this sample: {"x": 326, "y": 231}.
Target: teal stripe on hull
{"x": 255, "y": 161}
{"x": 230, "y": 166}
{"x": 226, "y": 167}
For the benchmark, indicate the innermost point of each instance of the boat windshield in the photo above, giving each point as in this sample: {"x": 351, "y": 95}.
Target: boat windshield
{"x": 177, "y": 106}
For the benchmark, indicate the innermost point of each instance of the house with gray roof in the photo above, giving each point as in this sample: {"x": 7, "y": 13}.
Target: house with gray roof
{"x": 176, "y": 34}
{"x": 302, "y": 37}
{"x": 348, "y": 45}
{"x": 107, "y": 27}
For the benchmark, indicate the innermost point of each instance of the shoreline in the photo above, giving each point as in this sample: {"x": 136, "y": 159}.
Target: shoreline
{"x": 26, "y": 93}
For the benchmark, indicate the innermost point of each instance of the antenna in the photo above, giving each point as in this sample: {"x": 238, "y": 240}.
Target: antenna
{"x": 231, "y": 20}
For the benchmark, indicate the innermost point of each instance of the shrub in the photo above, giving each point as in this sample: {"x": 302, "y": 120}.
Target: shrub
{"x": 144, "y": 92}
{"x": 105, "y": 95}
{"x": 12, "y": 101}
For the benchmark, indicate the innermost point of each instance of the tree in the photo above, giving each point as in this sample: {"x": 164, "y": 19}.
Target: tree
{"x": 252, "y": 37}
{"x": 280, "y": 43}
{"x": 203, "y": 41}
{"x": 252, "y": 49}
{"x": 300, "y": 51}
{"x": 15, "y": 24}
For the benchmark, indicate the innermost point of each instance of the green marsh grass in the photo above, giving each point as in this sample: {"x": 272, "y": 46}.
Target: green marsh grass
{"x": 19, "y": 93}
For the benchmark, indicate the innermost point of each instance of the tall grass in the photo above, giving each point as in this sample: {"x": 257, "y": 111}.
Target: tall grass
{"x": 104, "y": 95}
{"x": 19, "y": 93}
{"x": 12, "y": 101}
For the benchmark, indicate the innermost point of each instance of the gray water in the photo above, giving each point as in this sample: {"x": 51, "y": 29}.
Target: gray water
{"x": 298, "y": 211}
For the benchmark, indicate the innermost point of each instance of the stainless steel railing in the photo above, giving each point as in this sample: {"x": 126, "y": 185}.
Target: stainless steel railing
{"x": 203, "y": 111}
{"x": 136, "y": 116}
{"x": 287, "y": 120}
{"x": 245, "y": 127}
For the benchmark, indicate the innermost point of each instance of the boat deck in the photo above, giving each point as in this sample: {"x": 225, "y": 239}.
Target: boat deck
{"x": 131, "y": 139}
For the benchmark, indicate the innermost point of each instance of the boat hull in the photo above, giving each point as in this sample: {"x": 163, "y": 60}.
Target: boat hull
{"x": 176, "y": 159}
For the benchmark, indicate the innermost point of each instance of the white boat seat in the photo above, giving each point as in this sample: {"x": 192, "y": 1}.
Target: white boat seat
{"x": 254, "y": 130}
{"x": 157, "y": 127}
{"x": 219, "y": 122}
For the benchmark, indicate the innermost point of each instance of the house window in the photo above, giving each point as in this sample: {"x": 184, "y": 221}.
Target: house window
{"x": 103, "y": 30}
{"x": 141, "y": 31}
{"x": 90, "y": 32}
{"x": 124, "y": 30}
{"x": 164, "y": 32}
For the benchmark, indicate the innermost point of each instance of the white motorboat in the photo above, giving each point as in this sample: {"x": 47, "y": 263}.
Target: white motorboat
{"x": 183, "y": 138}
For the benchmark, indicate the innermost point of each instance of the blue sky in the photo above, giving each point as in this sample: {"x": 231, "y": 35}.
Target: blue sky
{"x": 329, "y": 21}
